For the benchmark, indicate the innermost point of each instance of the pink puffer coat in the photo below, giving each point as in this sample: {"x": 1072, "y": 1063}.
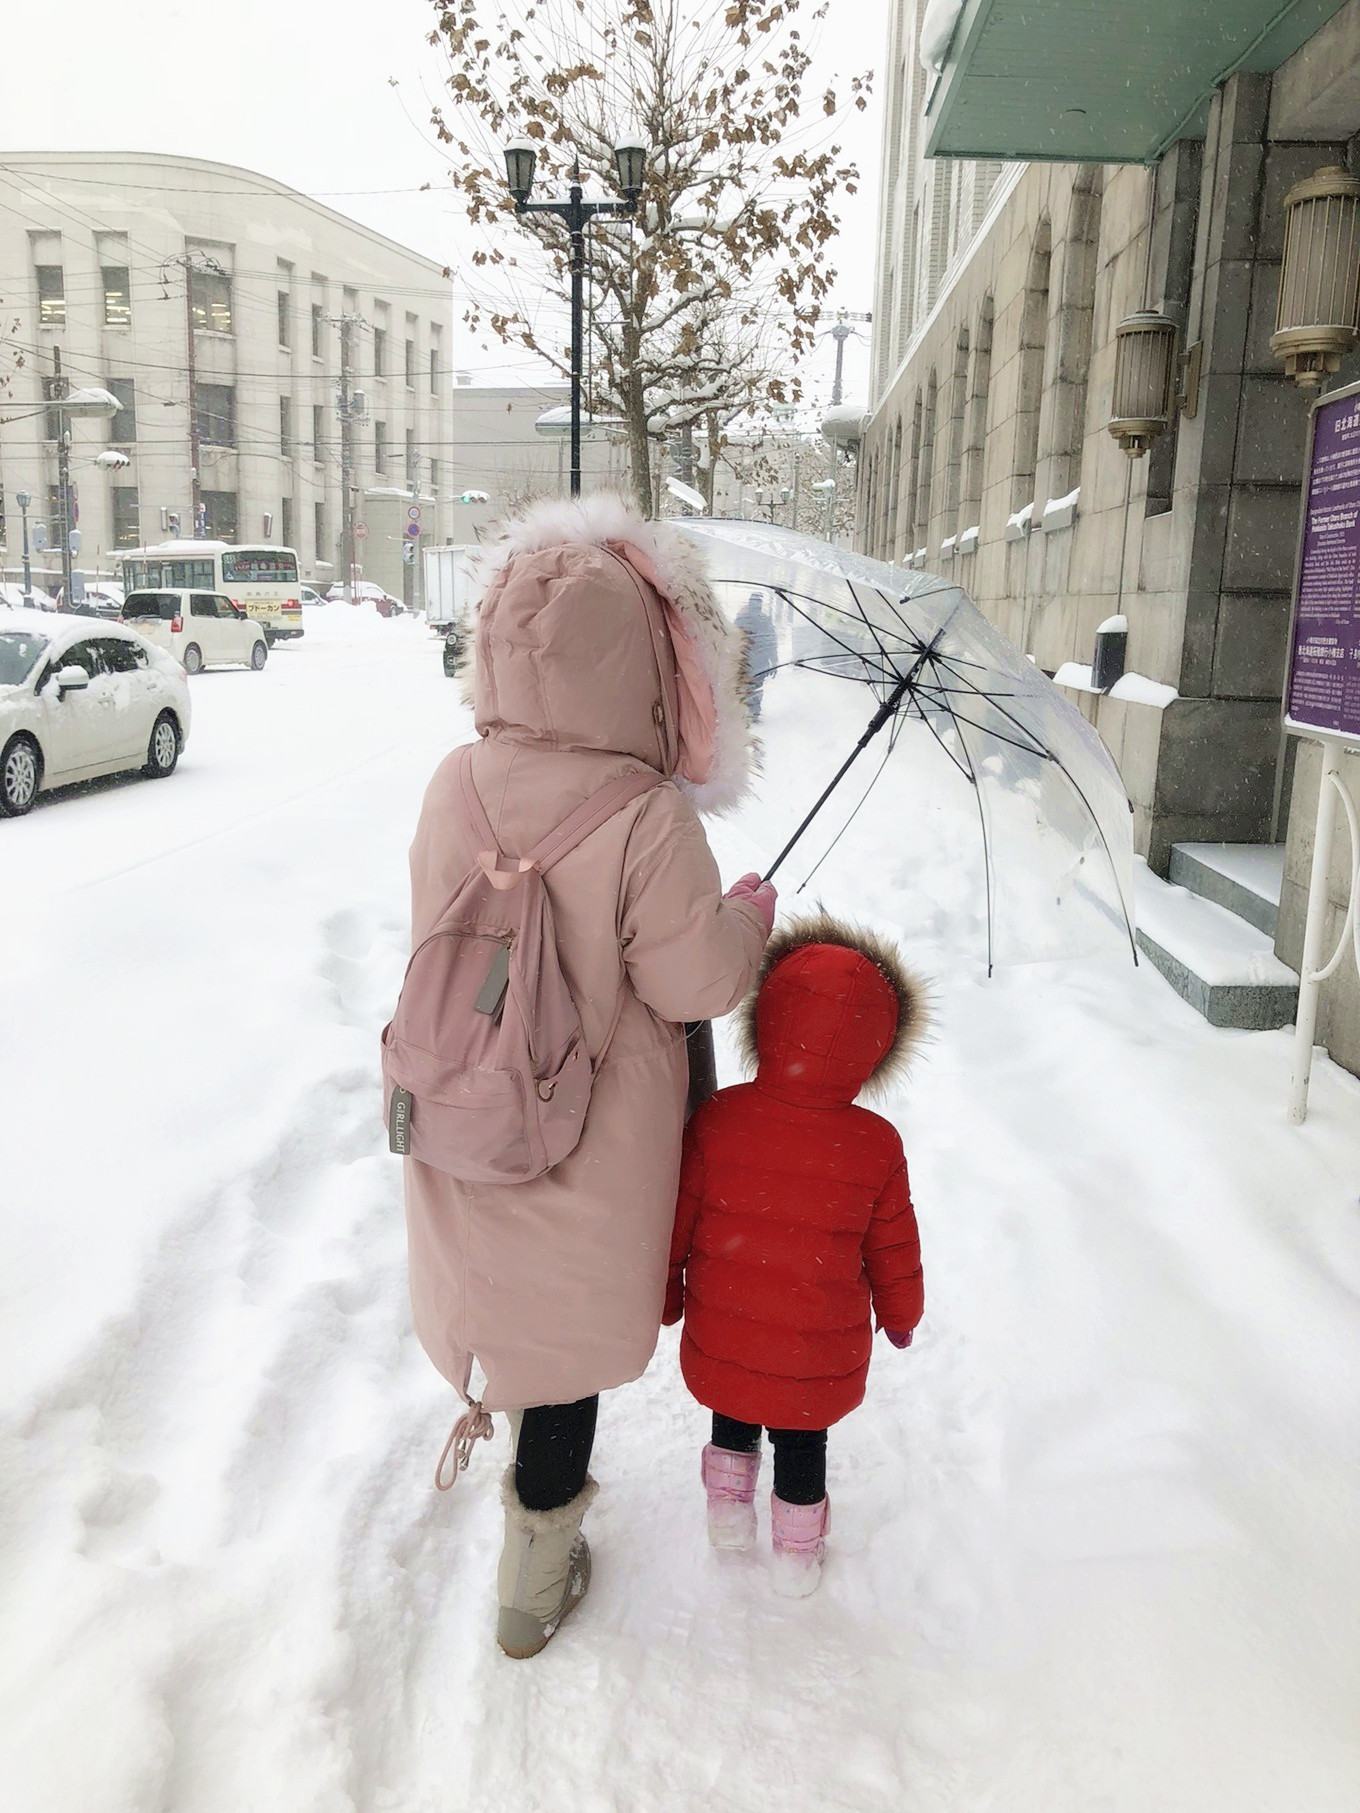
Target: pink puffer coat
{"x": 600, "y": 649}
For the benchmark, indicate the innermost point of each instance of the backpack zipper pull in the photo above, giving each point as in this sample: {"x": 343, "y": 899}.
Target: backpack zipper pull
{"x": 492, "y": 992}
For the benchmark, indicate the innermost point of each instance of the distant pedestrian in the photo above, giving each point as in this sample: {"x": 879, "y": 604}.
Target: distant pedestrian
{"x": 600, "y": 654}
{"x": 762, "y": 649}
{"x": 795, "y": 1232}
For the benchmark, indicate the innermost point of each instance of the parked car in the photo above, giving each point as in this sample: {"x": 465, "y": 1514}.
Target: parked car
{"x": 203, "y": 629}
{"x": 366, "y": 592}
{"x": 77, "y": 702}
{"x": 310, "y": 595}
{"x": 12, "y": 597}
{"x": 99, "y": 603}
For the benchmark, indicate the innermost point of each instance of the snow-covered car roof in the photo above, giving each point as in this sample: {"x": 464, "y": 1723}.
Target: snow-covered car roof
{"x": 62, "y": 630}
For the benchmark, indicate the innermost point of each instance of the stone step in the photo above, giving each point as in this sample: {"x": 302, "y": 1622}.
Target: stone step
{"x": 1245, "y": 878}
{"x": 1225, "y": 967}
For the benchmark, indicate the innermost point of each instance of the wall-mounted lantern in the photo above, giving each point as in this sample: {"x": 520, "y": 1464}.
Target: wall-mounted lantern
{"x": 1150, "y": 381}
{"x": 1318, "y": 314}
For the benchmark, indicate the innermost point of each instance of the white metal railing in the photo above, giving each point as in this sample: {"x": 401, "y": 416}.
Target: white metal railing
{"x": 1313, "y": 974}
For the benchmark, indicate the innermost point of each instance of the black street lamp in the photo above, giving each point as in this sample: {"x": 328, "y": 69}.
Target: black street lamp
{"x": 630, "y": 158}
{"x": 24, "y": 500}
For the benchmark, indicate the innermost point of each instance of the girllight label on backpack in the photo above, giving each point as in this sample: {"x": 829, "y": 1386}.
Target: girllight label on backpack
{"x": 1323, "y": 690}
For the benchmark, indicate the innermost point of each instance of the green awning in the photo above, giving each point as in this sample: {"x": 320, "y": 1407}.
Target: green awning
{"x": 1101, "y": 81}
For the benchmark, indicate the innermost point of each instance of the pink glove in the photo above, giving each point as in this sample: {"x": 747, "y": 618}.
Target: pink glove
{"x": 897, "y": 1339}
{"x": 761, "y": 895}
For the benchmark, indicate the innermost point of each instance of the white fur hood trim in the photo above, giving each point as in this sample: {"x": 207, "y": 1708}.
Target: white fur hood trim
{"x": 678, "y": 568}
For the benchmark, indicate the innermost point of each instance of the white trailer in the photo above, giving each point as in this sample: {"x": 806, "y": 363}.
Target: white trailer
{"x": 449, "y": 595}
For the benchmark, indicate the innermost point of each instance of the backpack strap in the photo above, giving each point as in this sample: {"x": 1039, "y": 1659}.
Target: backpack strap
{"x": 589, "y": 816}
{"x": 472, "y": 801}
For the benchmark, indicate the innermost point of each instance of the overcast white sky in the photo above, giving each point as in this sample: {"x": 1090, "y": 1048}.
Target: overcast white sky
{"x": 300, "y": 90}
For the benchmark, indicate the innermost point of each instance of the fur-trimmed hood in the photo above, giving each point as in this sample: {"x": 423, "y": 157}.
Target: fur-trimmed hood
{"x": 564, "y": 655}
{"x": 844, "y": 1013}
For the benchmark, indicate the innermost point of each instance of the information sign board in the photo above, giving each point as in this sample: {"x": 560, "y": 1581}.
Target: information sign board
{"x": 1322, "y": 692}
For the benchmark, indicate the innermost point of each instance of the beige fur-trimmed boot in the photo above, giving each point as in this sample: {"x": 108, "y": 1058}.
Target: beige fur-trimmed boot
{"x": 544, "y": 1569}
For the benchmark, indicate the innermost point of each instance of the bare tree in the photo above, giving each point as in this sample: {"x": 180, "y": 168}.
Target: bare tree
{"x": 702, "y": 307}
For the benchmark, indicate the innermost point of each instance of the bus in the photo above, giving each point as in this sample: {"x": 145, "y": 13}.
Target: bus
{"x": 263, "y": 580}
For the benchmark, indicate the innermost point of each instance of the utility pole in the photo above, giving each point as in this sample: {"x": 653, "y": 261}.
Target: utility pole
{"x": 60, "y": 388}
{"x": 191, "y": 348}
{"x": 351, "y": 408}
{"x": 189, "y": 262}
{"x": 409, "y": 543}
{"x": 840, "y": 333}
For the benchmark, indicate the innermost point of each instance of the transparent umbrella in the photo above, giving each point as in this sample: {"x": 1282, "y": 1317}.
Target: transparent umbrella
{"x": 1052, "y": 813}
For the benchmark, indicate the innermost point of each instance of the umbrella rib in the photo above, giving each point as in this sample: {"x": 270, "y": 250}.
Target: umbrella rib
{"x": 1104, "y": 844}
{"x": 849, "y": 821}
{"x": 986, "y": 730}
{"x": 986, "y": 846}
{"x": 854, "y": 653}
{"x": 965, "y": 771}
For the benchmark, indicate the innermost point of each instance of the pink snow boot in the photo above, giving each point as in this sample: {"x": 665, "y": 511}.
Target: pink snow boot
{"x": 730, "y": 1481}
{"x": 799, "y": 1533}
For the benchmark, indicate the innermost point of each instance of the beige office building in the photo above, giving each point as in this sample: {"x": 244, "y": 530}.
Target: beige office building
{"x": 118, "y": 269}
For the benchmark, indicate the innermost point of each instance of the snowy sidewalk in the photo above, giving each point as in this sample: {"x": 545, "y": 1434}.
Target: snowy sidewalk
{"x": 1093, "y": 1539}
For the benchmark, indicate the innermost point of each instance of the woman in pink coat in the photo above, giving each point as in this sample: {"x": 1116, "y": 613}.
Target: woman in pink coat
{"x": 600, "y": 652}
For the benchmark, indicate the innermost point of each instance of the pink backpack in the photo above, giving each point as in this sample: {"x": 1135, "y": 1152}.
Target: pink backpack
{"x": 485, "y": 1069}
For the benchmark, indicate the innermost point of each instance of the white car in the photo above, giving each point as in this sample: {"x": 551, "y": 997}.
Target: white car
{"x": 12, "y": 596}
{"x": 81, "y": 699}
{"x": 203, "y": 629}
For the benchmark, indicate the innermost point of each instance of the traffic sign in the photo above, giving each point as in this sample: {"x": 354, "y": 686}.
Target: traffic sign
{"x": 412, "y": 530}
{"x": 413, "y": 513}
{"x": 360, "y": 531}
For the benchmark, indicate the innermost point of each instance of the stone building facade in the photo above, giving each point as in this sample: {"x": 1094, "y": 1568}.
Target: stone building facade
{"x": 104, "y": 260}
{"x": 986, "y": 455}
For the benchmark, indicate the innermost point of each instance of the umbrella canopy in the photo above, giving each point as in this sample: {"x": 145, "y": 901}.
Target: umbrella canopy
{"x": 1052, "y": 812}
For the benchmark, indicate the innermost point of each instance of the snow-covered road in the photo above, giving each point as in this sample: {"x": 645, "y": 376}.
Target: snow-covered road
{"x": 1093, "y": 1544}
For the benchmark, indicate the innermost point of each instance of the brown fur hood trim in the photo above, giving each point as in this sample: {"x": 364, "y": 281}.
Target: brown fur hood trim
{"x": 911, "y": 989}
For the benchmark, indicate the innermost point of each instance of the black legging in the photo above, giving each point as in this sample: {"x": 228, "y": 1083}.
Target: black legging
{"x": 799, "y": 1457}
{"x": 554, "y": 1452}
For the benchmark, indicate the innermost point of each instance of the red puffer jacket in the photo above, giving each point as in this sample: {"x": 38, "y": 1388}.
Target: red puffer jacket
{"x": 795, "y": 1219}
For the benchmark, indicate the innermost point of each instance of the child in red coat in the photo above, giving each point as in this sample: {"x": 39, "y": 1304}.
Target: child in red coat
{"x": 794, "y": 1232}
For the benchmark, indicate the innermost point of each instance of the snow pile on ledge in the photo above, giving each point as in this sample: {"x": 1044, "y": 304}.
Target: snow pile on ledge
{"x": 1018, "y": 525}
{"x": 1134, "y": 689}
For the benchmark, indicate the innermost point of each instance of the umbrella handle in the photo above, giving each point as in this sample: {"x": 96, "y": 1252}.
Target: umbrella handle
{"x": 887, "y": 710}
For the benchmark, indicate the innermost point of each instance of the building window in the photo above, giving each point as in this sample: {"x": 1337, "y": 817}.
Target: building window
{"x": 285, "y": 306}
{"x": 1065, "y": 429}
{"x": 1033, "y": 343}
{"x": 976, "y": 452}
{"x": 210, "y": 301}
{"x": 286, "y": 521}
{"x": 123, "y": 427}
{"x": 51, "y": 295}
{"x": 318, "y": 431}
{"x": 925, "y": 501}
{"x": 958, "y": 404}
{"x": 286, "y": 428}
{"x": 410, "y": 364}
{"x": 219, "y": 515}
{"x": 434, "y": 478}
{"x": 216, "y": 416}
{"x": 379, "y": 352}
{"x": 318, "y": 328}
{"x": 117, "y": 296}
{"x": 380, "y": 446}
{"x": 319, "y": 532}
{"x": 412, "y": 473}
{"x": 125, "y": 531}
{"x": 434, "y": 371}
